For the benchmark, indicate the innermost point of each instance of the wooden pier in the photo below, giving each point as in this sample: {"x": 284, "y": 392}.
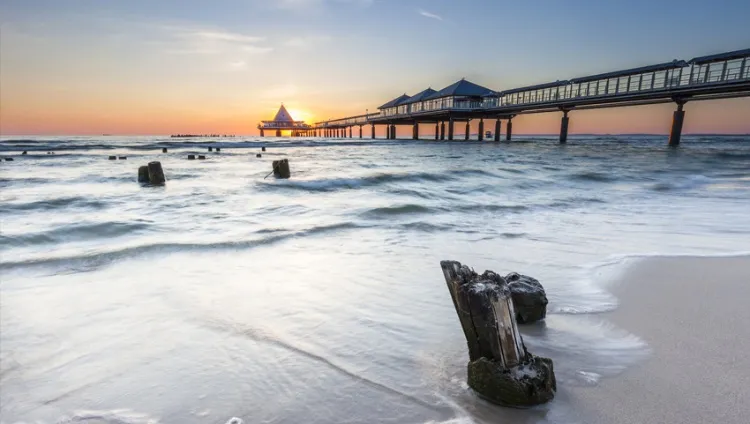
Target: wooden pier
{"x": 718, "y": 76}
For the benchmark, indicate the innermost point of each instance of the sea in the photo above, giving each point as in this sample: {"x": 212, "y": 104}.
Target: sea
{"x": 229, "y": 296}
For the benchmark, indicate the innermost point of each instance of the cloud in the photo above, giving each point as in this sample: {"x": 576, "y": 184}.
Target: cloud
{"x": 306, "y": 42}
{"x": 427, "y": 14}
{"x": 308, "y": 4}
{"x": 201, "y": 41}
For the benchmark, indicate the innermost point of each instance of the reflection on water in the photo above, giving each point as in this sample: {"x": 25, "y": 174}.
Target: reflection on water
{"x": 320, "y": 299}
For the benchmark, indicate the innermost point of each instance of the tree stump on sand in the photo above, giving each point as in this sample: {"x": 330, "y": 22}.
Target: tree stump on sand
{"x": 500, "y": 368}
{"x": 155, "y": 173}
{"x": 143, "y": 177}
{"x": 281, "y": 168}
{"x": 191, "y": 157}
{"x": 529, "y": 298}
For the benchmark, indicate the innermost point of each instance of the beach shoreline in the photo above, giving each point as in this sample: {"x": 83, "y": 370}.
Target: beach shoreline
{"x": 691, "y": 311}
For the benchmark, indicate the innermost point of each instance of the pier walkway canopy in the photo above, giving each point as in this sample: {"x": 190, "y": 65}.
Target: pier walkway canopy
{"x": 283, "y": 121}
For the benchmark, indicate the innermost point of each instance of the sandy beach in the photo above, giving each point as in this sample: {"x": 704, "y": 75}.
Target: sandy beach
{"x": 693, "y": 313}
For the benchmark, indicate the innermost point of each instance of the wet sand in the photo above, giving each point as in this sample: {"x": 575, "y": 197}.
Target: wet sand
{"x": 694, "y": 314}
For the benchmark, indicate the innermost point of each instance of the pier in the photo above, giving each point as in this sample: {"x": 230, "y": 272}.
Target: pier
{"x": 717, "y": 76}
{"x": 283, "y": 121}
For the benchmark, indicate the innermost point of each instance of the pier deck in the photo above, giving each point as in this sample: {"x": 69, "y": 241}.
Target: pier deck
{"x": 717, "y": 76}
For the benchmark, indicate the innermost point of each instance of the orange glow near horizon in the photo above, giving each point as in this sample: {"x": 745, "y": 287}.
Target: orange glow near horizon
{"x": 730, "y": 116}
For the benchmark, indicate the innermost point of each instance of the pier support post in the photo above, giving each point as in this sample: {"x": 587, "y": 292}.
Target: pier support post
{"x": 437, "y": 131}
{"x": 393, "y": 132}
{"x": 415, "y": 131}
{"x": 564, "y": 127}
{"x": 350, "y": 132}
{"x": 509, "y": 129}
{"x": 677, "y": 119}
{"x": 467, "y": 131}
{"x": 450, "y": 129}
{"x": 498, "y": 126}
{"x": 442, "y": 130}
{"x": 261, "y": 133}
{"x": 480, "y": 137}
{"x": 372, "y": 131}
{"x": 278, "y": 133}
{"x": 360, "y": 131}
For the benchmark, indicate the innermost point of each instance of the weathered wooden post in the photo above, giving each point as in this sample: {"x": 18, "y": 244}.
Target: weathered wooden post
{"x": 263, "y": 149}
{"x": 191, "y": 157}
{"x": 218, "y": 149}
{"x": 111, "y": 157}
{"x": 143, "y": 174}
{"x": 164, "y": 150}
{"x": 25, "y": 152}
{"x": 500, "y": 368}
{"x": 258, "y": 155}
{"x": 201, "y": 157}
{"x": 122, "y": 157}
{"x": 281, "y": 168}
{"x": 210, "y": 149}
{"x": 155, "y": 173}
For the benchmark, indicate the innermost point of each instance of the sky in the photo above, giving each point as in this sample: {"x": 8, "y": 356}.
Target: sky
{"x": 188, "y": 66}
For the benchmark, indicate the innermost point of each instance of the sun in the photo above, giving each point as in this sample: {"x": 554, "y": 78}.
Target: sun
{"x": 301, "y": 115}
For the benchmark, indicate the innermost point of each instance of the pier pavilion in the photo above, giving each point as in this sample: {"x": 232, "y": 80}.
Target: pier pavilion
{"x": 283, "y": 121}
{"x": 716, "y": 76}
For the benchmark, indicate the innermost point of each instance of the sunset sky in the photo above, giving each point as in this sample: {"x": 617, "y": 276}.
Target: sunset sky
{"x": 161, "y": 67}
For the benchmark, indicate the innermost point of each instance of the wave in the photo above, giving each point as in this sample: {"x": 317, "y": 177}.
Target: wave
{"x": 55, "y": 204}
{"x": 93, "y": 261}
{"x": 693, "y": 181}
{"x": 333, "y": 184}
{"x": 74, "y": 232}
{"x": 594, "y": 176}
{"x": 389, "y": 211}
{"x": 258, "y": 335}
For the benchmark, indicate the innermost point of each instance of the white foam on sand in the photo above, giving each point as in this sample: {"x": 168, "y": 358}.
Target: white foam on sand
{"x": 114, "y": 416}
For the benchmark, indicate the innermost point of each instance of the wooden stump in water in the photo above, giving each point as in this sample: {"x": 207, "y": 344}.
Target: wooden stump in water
{"x": 25, "y": 152}
{"x": 500, "y": 368}
{"x": 201, "y": 157}
{"x": 263, "y": 149}
{"x": 122, "y": 157}
{"x": 210, "y": 149}
{"x": 9, "y": 159}
{"x": 191, "y": 157}
{"x": 164, "y": 150}
{"x": 155, "y": 173}
{"x": 258, "y": 155}
{"x": 113, "y": 158}
{"x": 218, "y": 149}
{"x": 281, "y": 168}
{"x": 143, "y": 174}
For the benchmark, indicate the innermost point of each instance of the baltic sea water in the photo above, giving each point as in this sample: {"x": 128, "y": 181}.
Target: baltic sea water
{"x": 320, "y": 299}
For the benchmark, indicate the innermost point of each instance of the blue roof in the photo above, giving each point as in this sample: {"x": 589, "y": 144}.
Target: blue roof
{"x": 737, "y": 54}
{"x": 461, "y": 88}
{"x": 395, "y": 102}
{"x": 419, "y": 96}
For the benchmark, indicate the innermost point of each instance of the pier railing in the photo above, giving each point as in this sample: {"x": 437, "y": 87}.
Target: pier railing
{"x": 656, "y": 81}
